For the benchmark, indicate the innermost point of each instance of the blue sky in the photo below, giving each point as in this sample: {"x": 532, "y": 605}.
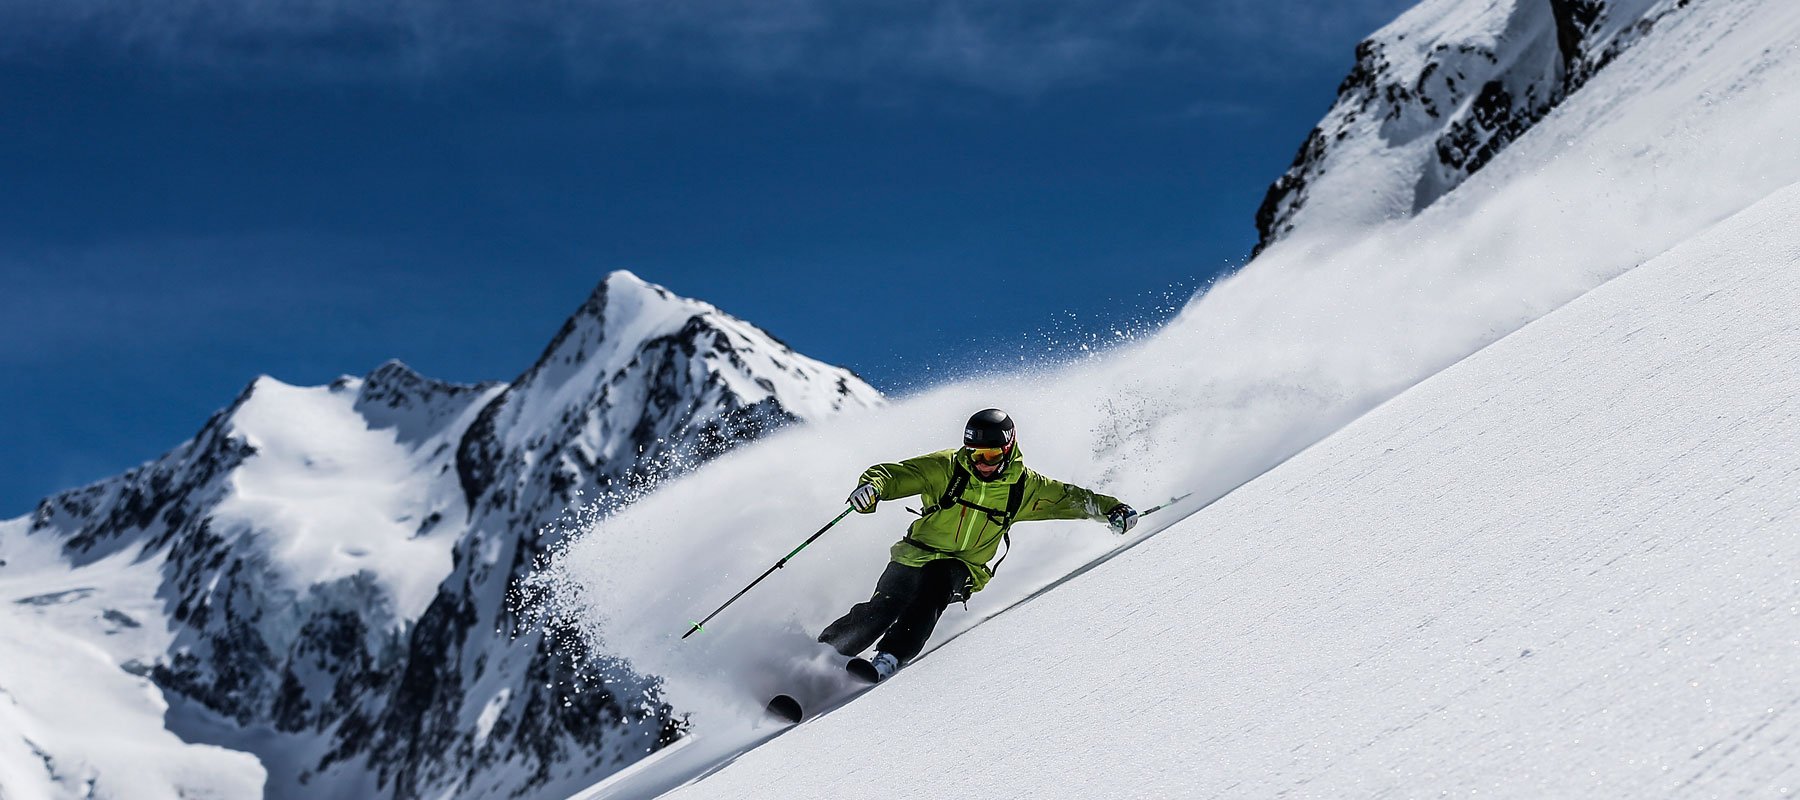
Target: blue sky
{"x": 199, "y": 192}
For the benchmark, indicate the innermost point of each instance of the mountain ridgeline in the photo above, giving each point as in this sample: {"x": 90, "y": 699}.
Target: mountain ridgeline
{"x": 335, "y": 561}
{"x": 1436, "y": 94}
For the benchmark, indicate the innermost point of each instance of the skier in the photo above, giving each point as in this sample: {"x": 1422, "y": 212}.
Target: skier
{"x": 975, "y": 494}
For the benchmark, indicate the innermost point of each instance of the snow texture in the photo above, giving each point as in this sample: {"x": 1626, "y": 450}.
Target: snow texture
{"x": 1563, "y": 567}
{"x": 1436, "y": 95}
{"x": 1689, "y": 126}
{"x": 1526, "y": 592}
{"x": 331, "y": 495}
{"x": 318, "y": 576}
{"x": 73, "y": 723}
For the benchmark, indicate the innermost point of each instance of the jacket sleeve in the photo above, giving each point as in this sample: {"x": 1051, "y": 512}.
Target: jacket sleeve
{"x": 1046, "y": 498}
{"x": 919, "y": 475}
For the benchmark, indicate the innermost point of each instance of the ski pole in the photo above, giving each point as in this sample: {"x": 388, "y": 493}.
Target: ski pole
{"x": 1147, "y": 512}
{"x": 771, "y": 571}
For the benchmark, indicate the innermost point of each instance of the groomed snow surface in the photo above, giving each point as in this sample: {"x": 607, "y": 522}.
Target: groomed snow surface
{"x": 1568, "y": 566}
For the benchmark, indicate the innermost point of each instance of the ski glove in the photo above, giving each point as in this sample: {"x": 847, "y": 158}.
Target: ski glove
{"x": 864, "y": 498}
{"x": 1122, "y": 518}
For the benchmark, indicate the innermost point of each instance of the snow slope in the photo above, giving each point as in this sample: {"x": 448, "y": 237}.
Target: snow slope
{"x": 318, "y": 576}
{"x": 1564, "y": 567}
{"x": 330, "y": 495}
{"x": 81, "y": 727}
{"x": 74, "y": 723}
{"x": 1689, "y": 126}
{"x": 1437, "y": 94}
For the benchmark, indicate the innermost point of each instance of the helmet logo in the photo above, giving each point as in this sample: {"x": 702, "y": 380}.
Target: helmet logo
{"x": 988, "y": 429}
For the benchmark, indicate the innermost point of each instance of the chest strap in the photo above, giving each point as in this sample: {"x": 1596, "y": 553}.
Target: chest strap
{"x": 959, "y": 482}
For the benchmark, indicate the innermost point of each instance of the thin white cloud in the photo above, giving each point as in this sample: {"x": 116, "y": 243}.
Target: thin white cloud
{"x": 1007, "y": 46}
{"x": 64, "y": 304}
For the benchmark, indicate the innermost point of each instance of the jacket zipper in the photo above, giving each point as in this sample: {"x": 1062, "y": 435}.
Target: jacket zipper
{"x": 968, "y": 531}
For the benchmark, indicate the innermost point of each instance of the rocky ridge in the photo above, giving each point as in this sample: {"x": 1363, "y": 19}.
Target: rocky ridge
{"x": 1435, "y": 95}
{"x": 334, "y": 561}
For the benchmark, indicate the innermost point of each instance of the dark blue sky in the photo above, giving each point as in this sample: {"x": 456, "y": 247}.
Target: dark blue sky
{"x": 194, "y": 196}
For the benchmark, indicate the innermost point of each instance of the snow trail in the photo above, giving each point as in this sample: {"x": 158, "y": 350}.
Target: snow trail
{"x": 1563, "y": 567}
{"x": 1322, "y": 328}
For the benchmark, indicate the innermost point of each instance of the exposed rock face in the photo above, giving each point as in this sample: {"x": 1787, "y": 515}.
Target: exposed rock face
{"x": 1435, "y": 95}
{"x": 334, "y": 561}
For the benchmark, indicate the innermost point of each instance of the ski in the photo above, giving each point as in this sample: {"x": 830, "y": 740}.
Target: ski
{"x": 785, "y": 707}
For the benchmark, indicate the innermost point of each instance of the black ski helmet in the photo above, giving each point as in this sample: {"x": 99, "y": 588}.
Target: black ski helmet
{"x": 990, "y": 427}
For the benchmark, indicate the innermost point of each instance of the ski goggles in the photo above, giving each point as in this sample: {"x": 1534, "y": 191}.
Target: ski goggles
{"x": 989, "y": 456}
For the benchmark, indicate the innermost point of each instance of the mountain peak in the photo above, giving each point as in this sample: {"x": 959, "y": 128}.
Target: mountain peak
{"x": 621, "y": 281}
{"x": 393, "y": 370}
{"x": 622, "y": 294}
{"x": 394, "y": 395}
{"x": 1435, "y": 96}
{"x": 333, "y": 560}
{"x": 620, "y": 314}
{"x": 639, "y": 371}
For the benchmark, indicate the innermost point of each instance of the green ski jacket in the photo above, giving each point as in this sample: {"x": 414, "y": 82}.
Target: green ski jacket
{"x": 960, "y": 532}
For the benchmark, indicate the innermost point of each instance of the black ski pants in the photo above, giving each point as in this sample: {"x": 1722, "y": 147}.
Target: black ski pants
{"x": 903, "y": 610}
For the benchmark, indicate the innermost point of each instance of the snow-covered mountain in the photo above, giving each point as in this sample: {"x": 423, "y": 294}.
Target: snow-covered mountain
{"x": 1562, "y": 569}
{"x": 1437, "y": 94}
{"x": 318, "y": 576}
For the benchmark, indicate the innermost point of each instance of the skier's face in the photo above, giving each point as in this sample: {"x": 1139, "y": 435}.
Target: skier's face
{"x": 988, "y": 461}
